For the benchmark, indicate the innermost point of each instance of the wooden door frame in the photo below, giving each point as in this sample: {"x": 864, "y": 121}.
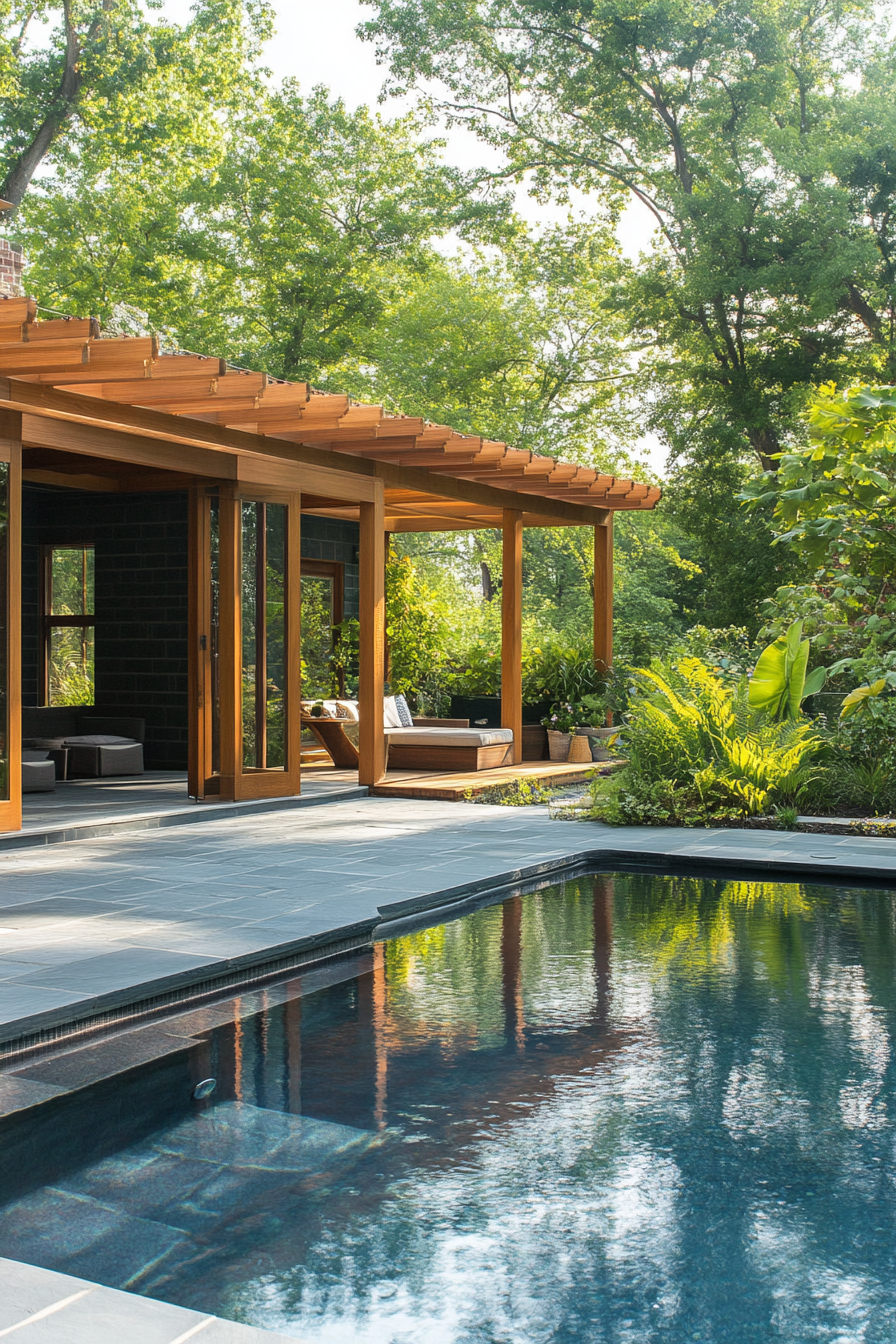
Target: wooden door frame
{"x": 239, "y": 782}
{"x": 11, "y": 453}
{"x": 200, "y": 780}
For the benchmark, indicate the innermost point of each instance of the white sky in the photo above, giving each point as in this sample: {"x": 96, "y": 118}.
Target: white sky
{"x": 316, "y": 43}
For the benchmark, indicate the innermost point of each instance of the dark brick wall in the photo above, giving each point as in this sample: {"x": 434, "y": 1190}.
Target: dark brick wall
{"x": 140, "y": 546}
{"x": 334, "y": 539}
{"x": 140, "y": 549}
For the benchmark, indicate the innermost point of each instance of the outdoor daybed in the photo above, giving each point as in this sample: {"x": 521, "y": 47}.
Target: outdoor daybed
{"x": 413, "y": 743}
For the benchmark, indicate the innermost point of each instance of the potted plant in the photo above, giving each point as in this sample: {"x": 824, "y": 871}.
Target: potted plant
{"x": 561, "y": 724}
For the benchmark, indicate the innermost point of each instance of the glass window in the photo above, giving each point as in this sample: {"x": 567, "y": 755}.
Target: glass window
{"x": 318, "y": 680}
{"x": 263, "y": 558}
{"x": 68, "y": 586}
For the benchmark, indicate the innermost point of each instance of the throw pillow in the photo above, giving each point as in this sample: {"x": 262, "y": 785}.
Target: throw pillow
{"x": 404, "y": 714}
{"x": 391, "y": 717}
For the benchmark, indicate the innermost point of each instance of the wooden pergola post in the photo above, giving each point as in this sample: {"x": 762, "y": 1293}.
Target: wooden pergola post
{"x": 603, "y": 594}
{"x": 387, "y": 655}
{"x": 512, "y": 629}
{"x": 372, "y": 652}
{"x": 11, "y": 615}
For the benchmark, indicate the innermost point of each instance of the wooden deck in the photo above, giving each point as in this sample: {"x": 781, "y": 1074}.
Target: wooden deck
{"x": 455, "y": 788}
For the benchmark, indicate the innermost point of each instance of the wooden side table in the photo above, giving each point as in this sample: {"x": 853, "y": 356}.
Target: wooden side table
{"x": 330, "y": 733}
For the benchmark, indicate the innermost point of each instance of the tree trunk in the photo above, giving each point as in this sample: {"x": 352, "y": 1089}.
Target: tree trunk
{"x": 18, "y": 179}
{"x": 488, "y": 583}
{"x": 765, "y": 444}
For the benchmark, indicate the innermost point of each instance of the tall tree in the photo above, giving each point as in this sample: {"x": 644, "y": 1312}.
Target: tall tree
{"x": 277, "y": 236}
{"x": 756, "y": 133}
{"x": 519, "y": 343}
{"x": 104, "y": 68}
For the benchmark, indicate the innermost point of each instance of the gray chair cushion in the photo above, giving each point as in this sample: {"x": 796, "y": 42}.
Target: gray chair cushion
{"x": 96, "y": 762}
{"x": 128, "y": 726}
{"x": 38, "y": 776}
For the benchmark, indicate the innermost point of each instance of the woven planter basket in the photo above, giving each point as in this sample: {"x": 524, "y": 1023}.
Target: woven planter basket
{"x": 558, "y": 745}
{"x": 579, "y": 749}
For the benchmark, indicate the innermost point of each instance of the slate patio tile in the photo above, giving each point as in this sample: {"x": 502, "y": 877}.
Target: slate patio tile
{"x": 18, "y": 1001}
{"x": 104, "y": 974}
{"x": 52, "y": 910}
{"x": 109, "y": 1316}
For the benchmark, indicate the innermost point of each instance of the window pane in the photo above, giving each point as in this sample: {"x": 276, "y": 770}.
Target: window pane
{"x": 252, "y": 747}
{"x": 70, "y": 680}
{"x": 215, "y": 633}
{"x": 71, "y": 581}
{"x": 275, "y": 636}
{"x": 4, "y": 632}
{"x": 317, "y": 637}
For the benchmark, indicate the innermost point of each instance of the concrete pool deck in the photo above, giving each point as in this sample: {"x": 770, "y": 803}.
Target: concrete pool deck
{"x": 98, "y": 929}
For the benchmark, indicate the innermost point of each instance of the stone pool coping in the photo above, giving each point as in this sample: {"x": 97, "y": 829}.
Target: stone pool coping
{"x": 474, "y": 842}
{"x": 53, "y": 1307}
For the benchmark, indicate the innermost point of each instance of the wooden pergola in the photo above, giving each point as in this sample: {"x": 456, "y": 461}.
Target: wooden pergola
{"x": 114, "y": 414}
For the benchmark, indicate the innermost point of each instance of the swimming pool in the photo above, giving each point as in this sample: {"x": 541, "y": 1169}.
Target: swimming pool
{"x": 626, "y": 1108}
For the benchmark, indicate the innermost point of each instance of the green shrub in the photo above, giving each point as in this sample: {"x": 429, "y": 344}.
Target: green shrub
{"x": 697, "y": 753}
{"x": 859, "y": 765}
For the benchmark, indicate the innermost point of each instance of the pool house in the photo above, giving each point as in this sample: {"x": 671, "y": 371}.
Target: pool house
{"x": 160, "y": 513}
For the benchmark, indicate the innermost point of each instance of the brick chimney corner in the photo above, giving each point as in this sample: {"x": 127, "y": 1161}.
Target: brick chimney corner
{"x": 12, "y": 266}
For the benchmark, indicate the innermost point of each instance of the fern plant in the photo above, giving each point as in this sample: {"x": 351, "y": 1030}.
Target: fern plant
{"x": 697, "y": 750}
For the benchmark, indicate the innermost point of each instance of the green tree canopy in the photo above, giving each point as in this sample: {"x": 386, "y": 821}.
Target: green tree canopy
{"x": 278, "y": 239}
{"x": 106, "y": 71}
{"x": 759, "y": 136}
{"x": 835, "y": 507}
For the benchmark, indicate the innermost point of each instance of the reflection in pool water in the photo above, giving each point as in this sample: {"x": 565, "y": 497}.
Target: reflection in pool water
{"x": 627, "y": 1108}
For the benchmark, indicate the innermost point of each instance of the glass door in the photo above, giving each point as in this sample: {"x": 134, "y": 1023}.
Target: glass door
{"x": 10, "y": 627}
{"x": 323, "y": 586}
{"x": 263, "y": 634}
{"x": 246, "y": 646}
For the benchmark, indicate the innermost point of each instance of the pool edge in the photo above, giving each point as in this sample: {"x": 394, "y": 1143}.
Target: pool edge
{"x": 214, "y": 978}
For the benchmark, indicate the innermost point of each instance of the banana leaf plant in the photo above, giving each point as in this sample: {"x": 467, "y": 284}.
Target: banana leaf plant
{"x": 859, "y": 700}
{"x": 778, "y": 684}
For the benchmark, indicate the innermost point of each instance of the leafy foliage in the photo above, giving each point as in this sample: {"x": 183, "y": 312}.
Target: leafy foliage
{"x": 779, "y": 685}
{"x": 834, "y": 505}
{"x": 102, "y": 72}
{"x": 759, "y": 137}
{"x": 696, "y": 751}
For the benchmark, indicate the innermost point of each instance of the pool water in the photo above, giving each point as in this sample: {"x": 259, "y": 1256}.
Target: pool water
{"x": 625, "y": 1108}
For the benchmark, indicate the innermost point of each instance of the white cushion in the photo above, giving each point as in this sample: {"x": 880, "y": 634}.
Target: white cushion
{"x": 449, "y": 737}
{"x": 100, "y": 740}
{"x": 391, "y": 716}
